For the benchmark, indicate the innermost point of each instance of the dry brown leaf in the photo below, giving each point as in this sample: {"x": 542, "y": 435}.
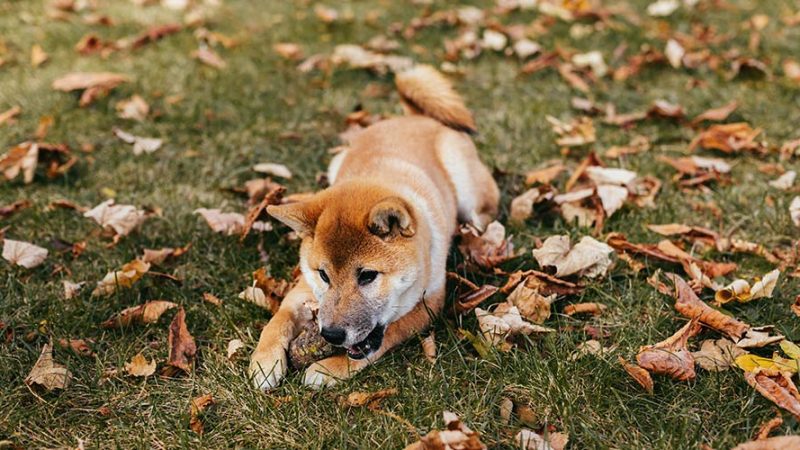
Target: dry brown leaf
{"x": 234, "y": 345}
{"x": 716, "y": 114}
{"x": 12, "y": 208}
{"x": 124, "y": 278}
{"x": 728, "y": 138}
{"x": 79, "y": 346}
{"x": 487, "y": 249}
{"x": 274, "y": 169}
{"x": 211, "y": 298}
{"x": 796, "y": 306}
{"x": 530, "y": 440}
{"x": 94, "y": 84}
{"x": 671, "y": 356}
{"x": 717, "y": 355}
{"x": 506, "y": 409}
{"x": 504, "y": 323}
{"x": 47, "y": 373}
{"x": 199, "y": 404}
{"x": 429, "y": 347}
{"x": 468, "y": 300}
{"x": 589, "y": 257}
{"x": 273, "y": 197}
{"x": 134, "y": 108}
{"x": 38, "y": 55}
{"x": 456, "y": 436}
{"x": 742, "y": 292}
{"x": 71, "y": 289}
{"x": 637, "y": 373}
{"x": 145, "y": 313}
{"x": 592, "y": 308}
{"x": 139, "y": 366}
{"x": 182, "y": 347}
{"x": 209, "y": 57}
{"x": 689, "y": 305}
{"x": 773, "y": 443}
{"x": 532, "y": 305}
{"x": 545, "y": 175}
{"x": 778, "y": 388}
{"x": 23, "y": 254}
{"x": 122, "y": 219}
{"x": 288, "y": 50}
{"x": 543, "y": 283}
{"x": 155, "y": 33}
{"x": 769, "y": 426}
{"x": 23, "y": 159}
{"x": 370, "y": 399}
{"x": 8, "y": 116}
{"x": 159, "y": 256}
{"x": 522, "y": 205}
{"x": 576, "y": 133}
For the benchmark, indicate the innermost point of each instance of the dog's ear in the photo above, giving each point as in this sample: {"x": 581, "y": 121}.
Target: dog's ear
{"x": 300, "y": 216}
{"x": 390, "y": 217}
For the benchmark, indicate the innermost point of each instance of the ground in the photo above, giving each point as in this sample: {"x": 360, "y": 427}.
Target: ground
{"x": 259, "y": 108}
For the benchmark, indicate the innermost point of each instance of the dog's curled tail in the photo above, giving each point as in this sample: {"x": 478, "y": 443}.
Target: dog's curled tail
{"x": 424, "y": 90}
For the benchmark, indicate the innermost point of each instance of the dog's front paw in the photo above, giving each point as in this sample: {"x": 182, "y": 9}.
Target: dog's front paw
{"x": 267, "y": 369}
{"x": 329, "y": 371}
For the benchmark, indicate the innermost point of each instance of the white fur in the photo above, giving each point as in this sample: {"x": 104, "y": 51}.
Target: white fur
{"x": 335, "y": 165}
{"x": 451, "y": 148}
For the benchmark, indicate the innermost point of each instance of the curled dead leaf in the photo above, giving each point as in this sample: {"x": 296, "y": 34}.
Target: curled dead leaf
{"x": 139, "y": 366}
{"x": 487, "y": 249}
{"x": 369, "y": 399}
{"x": 640, "y": 375}
{"x": 123, "y": 278}
{"x": 455, "y": 436}
{"x": 429, "y": 347}
{"x": 689, "y": 305}
{"x": 23, "y": 254}
{"x": 146, "y": 313}
{"x": 589, "y": 257}
{"x": 717, "y": 355}
{"x": 47, "y": 373}
{"x": 778, "y": 388}
{"x": 592, "y": 308}
{"x": 122, "y": 219}
{"x": 199, "y": 404}
{"x": 671, "y": 356}
{"x": 182, "y": 347}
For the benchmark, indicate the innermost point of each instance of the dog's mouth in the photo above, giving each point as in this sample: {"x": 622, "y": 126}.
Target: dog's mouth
{"x": 369, "y": 345}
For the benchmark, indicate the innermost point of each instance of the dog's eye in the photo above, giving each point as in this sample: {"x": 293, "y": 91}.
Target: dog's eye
{"x": 366, "y": 277}
{"x": 324, "y": 276}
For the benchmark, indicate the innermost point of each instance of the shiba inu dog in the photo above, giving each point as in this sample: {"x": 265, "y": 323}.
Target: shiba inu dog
{"x": 374, "y": 244}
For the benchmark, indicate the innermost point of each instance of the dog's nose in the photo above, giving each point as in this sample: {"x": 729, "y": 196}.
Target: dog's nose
{"x": 335, "y": 336}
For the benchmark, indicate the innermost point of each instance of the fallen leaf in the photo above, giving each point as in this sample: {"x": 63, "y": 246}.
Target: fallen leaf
{"x": 139, "y": 366}
{"x": 717, "y": 355}
{"x": 530, "y": 440}
{"x": 794, "y": 211}
{"x": 47, "y": 373}
{"x": 741, "y": 291}
{"x": 155, "y": 33}
{"x": 370, "y": 399}
{"x": 23, "y": 159}
{"x": 455, "y": 436}
{"x": 674, "y": 52}
{"x": 140, "y": 144}
{"x": 689, "y": 305}
{"x": 663, "y": 8}
{"x": 288, "y": 50}
{"x": 716, "y": 114}
{"x": 7, "y": 117}
{"x": 728, "y": 138}
{"x": 23, "y": 254}
{"x": 429, "y": 347}
{"x": 637, "y": 373}
{"x": 134, "y": 108}
{"x": 123, "y": 278}
{"x": 199, "y": 404}
{"x": 589, "y": 257}
{"x": 468, "y": 300}
{"x": 671, "y": 356}
{"x": 38, "y": 55}
{"x": 592, "y": 308}
{"x": 778, "y": 388}
{"x": 92, "y": 83}
{"x": 211, "y": 298}
{"x": 522, "y": 205}
{"x": 545, "y": 175}
{"x": 159, "y": 256}
{"x": 577, "y": 133}
{"x": 182, "y": 347}
{"x": 531, "y": 304}
{"x": 122, "y": 219}
{"x": 145, "y": 313}
{"x": 487, "y": 249}
{"x": 769, "y": 426}
{"x": 209, "y": 57}
{"x": 79, "y": 346}
{"x": 227, "y": 223}
{"x": 71, "y": 289}
{"x": 785, "y": 181}
{"x": 504, "y": 323}
{"x": 277, "y": 170}
{"x": 234, "y": 345}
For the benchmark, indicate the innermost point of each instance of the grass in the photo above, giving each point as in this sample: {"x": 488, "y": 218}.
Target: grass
{"x": 233, "y": 118}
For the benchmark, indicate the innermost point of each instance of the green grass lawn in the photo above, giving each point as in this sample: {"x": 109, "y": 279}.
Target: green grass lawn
{"x": 260, "y": 108}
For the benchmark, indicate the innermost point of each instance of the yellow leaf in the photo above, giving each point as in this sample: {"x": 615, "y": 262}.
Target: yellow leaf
{"x": 753, "y": 363}
{"x": 791, "y": 349}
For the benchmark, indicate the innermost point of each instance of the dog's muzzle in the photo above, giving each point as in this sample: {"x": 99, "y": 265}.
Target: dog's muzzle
{"x": 369, "y": 345}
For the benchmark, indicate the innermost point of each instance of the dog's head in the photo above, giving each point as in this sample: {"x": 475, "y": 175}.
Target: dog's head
{"x": 361, "y": 254}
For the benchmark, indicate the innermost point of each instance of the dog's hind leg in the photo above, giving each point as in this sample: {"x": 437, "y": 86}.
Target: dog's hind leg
{"x": 329, "y": 371}
{"x": 269, "y": 363}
